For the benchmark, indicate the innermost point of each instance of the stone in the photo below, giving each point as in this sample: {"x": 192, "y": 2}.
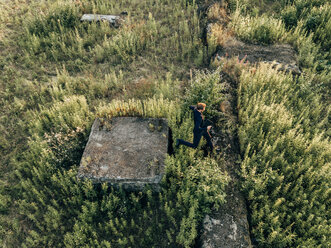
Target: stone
{"x": 112, "y": 19}
{"x": 227, "y": 227}
{"x": 127, "y": 151}
{"x": 291, "y": 68}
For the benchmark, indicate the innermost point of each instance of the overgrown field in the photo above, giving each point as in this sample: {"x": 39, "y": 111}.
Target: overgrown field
{"x": 58, "y": 74}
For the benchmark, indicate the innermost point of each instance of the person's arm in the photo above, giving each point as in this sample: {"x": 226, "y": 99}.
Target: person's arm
{"x": 206, "y": 128}
{"x": 192, "y": 107}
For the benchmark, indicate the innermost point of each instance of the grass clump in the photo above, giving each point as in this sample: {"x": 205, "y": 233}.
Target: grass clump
{"x": 262, "y": 29}
{"x": 61, "y": 19}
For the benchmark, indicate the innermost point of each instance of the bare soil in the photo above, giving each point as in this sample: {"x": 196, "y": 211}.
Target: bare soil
{"x": 279, "y": 54}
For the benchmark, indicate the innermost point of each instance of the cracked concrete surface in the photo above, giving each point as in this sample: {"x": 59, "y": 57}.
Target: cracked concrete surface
{"x": 126, "y": 150}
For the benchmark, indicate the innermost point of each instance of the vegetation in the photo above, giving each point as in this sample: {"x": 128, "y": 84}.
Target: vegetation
{"x": 286, "y": 158}
{"x": 284, "y": 127}
{"x": 58, "y": 74}
{"x": 63, "y": 211}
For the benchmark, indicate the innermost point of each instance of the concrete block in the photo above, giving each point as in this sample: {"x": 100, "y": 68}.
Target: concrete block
{"x": 127, "y": 151}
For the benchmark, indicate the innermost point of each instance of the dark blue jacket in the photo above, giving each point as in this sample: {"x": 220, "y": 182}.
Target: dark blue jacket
{"x": 197, "y": 120}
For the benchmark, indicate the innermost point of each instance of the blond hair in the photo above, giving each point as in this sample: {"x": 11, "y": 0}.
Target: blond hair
{"x": 201, "y": 106}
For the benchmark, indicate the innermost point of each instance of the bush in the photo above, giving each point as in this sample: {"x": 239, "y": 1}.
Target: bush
{"x": 205, "y": 88}
{"x": 312, "y": 22}
{"x": 319, "y": 23}
{"x": 289, "y": 16}
{"x": 130, "y": 42}
{"x": 263, "y": 34}
{"x": 56, "y": 22}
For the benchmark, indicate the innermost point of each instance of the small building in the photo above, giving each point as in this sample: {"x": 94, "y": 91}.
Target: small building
{"x": 127, "y": 151}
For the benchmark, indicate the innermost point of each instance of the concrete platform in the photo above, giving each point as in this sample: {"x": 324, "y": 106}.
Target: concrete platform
{"x": 127, "y": 151}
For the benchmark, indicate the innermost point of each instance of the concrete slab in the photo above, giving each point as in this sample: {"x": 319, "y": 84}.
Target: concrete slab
{"x": 128, "y": 151}
{"x": 112, "y": 19}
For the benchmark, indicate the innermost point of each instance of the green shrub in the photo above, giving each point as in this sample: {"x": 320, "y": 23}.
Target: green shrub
{"x": 61, "y": 19}
{"x": 205, "y": 88}
{"x": 66, "y": 115}
{"x": 263, "y": 34}
{"x": 232, "y": 5}
{"x": 312, "y": 22}
{"x": 313, "y": 17}
{"x": 320, "y": 24}
{"x": 128, "y": 43}
{"x": 289, "y": 16}
{"x": 308, "y": 51}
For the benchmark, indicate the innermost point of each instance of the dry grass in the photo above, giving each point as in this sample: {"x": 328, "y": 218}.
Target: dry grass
{"x": 218, "y": 12}
{"x": 220, "y": 34}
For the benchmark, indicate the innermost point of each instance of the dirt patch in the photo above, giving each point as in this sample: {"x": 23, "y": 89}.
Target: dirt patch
{"x": 281, "y": 54}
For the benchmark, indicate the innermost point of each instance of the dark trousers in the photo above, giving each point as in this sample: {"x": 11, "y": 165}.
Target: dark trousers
{"x": 196, "y": 140}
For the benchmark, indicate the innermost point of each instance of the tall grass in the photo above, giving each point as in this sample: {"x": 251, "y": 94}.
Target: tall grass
{"x": 57, "y": 35}
{"x": 301, "y": 23}
{"x": 262, "y": 29}
{"x": 283, "y": 127}
{"x": 62, "y": 211}
{"x": 58, "y": 74}
{"x": 81, "y": 71}
{"x": 286, "y": 159}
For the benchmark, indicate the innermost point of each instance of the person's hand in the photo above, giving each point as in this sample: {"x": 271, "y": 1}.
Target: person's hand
{"x": 208, "y": 128}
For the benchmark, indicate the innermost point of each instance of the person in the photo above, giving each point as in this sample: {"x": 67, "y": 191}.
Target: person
{"x": 199, "y": 130}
